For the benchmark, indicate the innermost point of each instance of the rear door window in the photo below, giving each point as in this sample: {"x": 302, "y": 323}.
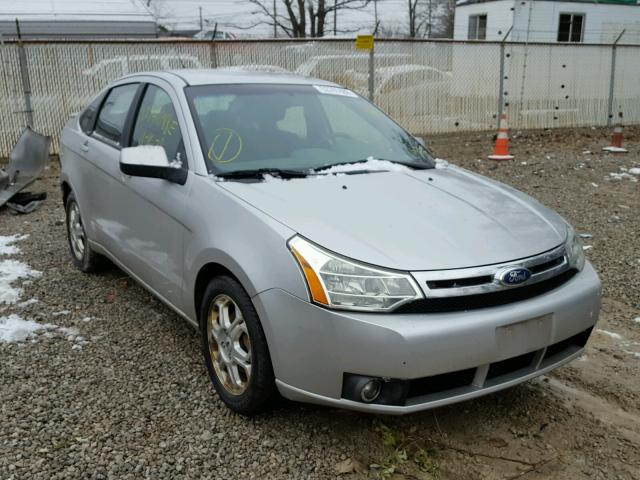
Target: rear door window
{"x": 113, "y": 114}
{"x": 88, "y": 117}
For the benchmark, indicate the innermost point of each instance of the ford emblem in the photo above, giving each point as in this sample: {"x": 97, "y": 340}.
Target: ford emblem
{"x": 514, "y": 276}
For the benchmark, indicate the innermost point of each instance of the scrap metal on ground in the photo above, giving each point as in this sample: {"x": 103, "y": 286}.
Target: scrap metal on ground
{"x": 26, "y": 162}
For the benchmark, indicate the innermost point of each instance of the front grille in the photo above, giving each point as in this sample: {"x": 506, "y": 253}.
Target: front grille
{"x": 459, "y": 282}
{"x": 510, "y": 365}
{"x": 441, "y": 383}
{"x": 576, "y": 342}
{"x": 543, "y": 267}
{"x": 485, "y": 300}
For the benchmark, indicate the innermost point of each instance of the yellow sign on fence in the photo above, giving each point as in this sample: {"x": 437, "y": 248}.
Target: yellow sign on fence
{"x": 364, "y": 42}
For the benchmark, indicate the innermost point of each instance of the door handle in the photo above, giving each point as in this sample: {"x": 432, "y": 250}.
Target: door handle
{"x": 85, "y": 147}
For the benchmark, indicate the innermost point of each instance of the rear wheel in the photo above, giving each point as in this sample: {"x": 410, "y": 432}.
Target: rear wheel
{"x": 235, "y": 348}
{"x": 82, "y": 255}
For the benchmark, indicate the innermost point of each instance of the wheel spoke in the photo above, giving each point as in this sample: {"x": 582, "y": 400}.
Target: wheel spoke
{"x": 216, "y": 333}
{"x": 234, "y": 376}
{"x": 237, "y": 328}
{"x": 240, "y": 356}
{"x": 223, "y": 314}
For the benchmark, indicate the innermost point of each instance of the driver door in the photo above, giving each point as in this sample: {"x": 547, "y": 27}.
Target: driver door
{"x": 152, "y": 210}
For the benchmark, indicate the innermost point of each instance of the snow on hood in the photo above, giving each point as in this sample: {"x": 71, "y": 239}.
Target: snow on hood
{"x": 372, "y": 164}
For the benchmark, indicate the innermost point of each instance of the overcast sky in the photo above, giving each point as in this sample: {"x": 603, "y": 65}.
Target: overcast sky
{"x": 232, "y": 13}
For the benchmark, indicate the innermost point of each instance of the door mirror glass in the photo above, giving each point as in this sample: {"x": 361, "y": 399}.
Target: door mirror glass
{"x": 151, "y": 161}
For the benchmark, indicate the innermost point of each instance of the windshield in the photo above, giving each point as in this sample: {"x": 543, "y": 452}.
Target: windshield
{"x": 295, "y": 127}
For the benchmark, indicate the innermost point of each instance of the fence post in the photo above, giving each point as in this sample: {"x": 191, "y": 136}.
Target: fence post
{"x": 612, "y": 78}
{"x": 213, "y": 54}
{"x": 372, "y": 72}
{"x": 501, "y": 83}
{"x": 24, "y": 74}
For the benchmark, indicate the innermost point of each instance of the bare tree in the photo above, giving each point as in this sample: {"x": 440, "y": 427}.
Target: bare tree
{"x": 443, "y": 19}
{"x": 302, "y": 18}
{"x": 431, "y": 18}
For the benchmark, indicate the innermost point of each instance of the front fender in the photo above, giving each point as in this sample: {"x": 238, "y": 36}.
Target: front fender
{"x": 229, "y": 232}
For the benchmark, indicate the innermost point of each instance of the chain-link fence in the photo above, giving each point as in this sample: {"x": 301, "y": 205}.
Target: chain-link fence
{"x": 427, "y": 86}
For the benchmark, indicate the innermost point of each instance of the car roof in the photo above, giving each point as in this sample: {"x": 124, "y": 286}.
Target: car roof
{"x": 210, "y": 76}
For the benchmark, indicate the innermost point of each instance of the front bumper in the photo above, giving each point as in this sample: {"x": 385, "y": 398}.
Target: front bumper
{"x": 312, "y": 348}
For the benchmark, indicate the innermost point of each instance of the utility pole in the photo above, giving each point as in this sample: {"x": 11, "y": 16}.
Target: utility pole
{"x": 375, "y": 13}
{"x": 200, "y": 10}
{"x": 335, "y": 18}
{"x": 429, "y": 19}
{"x": 275, "y": 23}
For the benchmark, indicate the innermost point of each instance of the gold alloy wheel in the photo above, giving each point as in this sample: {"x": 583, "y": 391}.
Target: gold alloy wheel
{"x": 229, "y": 345}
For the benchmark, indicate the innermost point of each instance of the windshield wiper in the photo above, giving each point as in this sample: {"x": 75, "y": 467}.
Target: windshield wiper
{"x": 417, "y": 166}
{"x": 261, "y": 172}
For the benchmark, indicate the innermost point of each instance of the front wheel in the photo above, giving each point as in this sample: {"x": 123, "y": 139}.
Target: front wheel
{"x": 235, "y": 348}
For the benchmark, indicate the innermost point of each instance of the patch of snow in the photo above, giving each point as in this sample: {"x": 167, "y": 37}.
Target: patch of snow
{"x": 585, "y": 235}
{"x": 14, "y": 329}
{"x": 587, "y": 152}
{"x": 615, "y": 149}
{"x": 441, "y": 163}
{"x": 587, "y": 247}
{"x": 10, "y": 272}
{"x": 594, "y": 185}
{"x": 620, "y": 176}
{"x": 61, "y": 312}
{"x": 634, "y": 171}
{"x": 7, "y": 246}
{"x": 636, "y": 320}
{"x": 615, "y": 336}
{"x": 88, "y": 319}
{"x": 27, "y": 303}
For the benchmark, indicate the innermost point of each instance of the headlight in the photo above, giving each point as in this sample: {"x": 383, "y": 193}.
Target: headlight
{"x": 574, "y": 248}
{"x": 345, "y": 284}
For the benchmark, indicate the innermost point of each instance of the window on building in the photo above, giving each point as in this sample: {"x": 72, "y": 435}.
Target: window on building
{"x": 571, "y": 27}
{"x": 477, "y": 27}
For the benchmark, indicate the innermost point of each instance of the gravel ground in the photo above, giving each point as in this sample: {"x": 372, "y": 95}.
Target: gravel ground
{"x": 120, "y": 391}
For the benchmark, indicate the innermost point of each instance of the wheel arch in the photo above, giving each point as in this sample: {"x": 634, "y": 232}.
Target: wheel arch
{"x": 205, "y": 274}
{"x": 66, "y": 190}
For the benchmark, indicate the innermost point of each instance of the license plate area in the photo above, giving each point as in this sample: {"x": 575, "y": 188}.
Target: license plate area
{"x": 526, "y": 336}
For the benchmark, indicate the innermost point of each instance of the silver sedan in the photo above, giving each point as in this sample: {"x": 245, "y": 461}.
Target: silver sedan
{"x": 320, "y": 249}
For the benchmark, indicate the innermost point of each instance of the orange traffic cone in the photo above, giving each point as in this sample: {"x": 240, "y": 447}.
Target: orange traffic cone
{"x": 616, "y": 141}
{"x": 501, "y": 151}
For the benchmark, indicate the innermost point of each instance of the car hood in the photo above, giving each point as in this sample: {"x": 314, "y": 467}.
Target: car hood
{"x": 410, "y": 220}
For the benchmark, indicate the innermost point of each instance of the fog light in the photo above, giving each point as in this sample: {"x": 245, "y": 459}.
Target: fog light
{"x": 370, "y": 391}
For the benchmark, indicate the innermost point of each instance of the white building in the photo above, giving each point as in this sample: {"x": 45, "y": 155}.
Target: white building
{"x": 585, "y": 21}
{"x": 71, "y": 19}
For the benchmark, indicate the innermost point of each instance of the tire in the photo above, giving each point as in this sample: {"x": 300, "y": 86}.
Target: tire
{"x": 82, "y": 256}
{"x": 245, "y": 392}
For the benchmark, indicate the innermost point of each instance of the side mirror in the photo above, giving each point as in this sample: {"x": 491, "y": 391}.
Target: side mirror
{"x": 151, "y": 161}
